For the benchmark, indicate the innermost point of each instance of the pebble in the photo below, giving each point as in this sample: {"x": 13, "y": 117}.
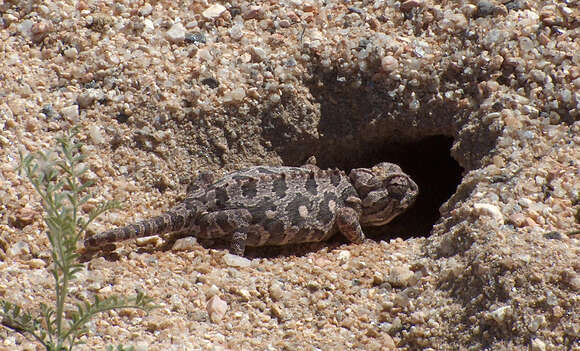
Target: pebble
{"x": 195, "y": 38}
{"x": 236, "y": 261}
{"x": 88, "y": 97}
{"x": 36, "y": 263}
{"x": 485, "y": 8}
{"x": 216, "y": 308}
{"x": 389, "y": 63}
{"x": 146, "y": 10}
{"x": 343, "y": 256}
{"x": 70, "y": 113}
{"x": 176, "y": 33}
{"x": 410, "y": 4}
{"x": 153, "y": 240}
{"x": 499, "y": 315}
{"x": 96, "y": 134}
{"x": 19, "y": 248}
{"x": 275, "y": 290}
{"x": 400, "y": 276}
{"x": 235, "y": 96}
{"x": 518, "y": 219}
{"x": 237, "y": 31}
{"x": 258, "y": 53}
{"x": 213, "y": 11}
{"x": 253, "y": 12}
{"x": 71, "y": 53}
{"x": 536, "y": 323}
{"x": 483, "y": 209}
{"x": 24, "y": 216}
{"x": 538, "y": 345}
{"x": 185, "y": 244}
{"x": 212, "y": 291}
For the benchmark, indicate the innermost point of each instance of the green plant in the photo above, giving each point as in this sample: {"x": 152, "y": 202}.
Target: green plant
{"x": 57, "y": 176}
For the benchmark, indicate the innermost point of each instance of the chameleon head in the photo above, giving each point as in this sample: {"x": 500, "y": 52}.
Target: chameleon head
{"x": 385, "y": 192}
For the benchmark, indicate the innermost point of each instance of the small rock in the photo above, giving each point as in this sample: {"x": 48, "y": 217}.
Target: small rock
{"x": 236, "y": 261}
{"x": 485, "y": 8}
{"x": 40, "y": 30}
{"x": 244, "y": 294}
{"x": 213, "y": 11}
{"x": 24, "y": 216}
{"x": 410, "y": 4}
{"x": 537, "y": 323}
{"x": 212, "y": 291}
{"x": 36, "y": 263}
{"x": 402, "y": 300}
{"x": 236, "y": 95}
{"x": 378, "y": 278}
{"x": 253, "y": 12}
{"x": 499, "y": 315}
{"x": 400, "y": 276}
{"x": 538, "y": 345}
{"x": 258, "y": 53}
{"x": 148, "y": 25}
{"x": 146, "y": 10}
{"x": 574, "y": 281}
{"x": 237, "y": 31}
{"x": 148, "y": 240}
{"x": 71, "y": 113}
{"x": 388, "y": 343}
{"x": 185, "y": 244}
{"x": 87, "y": 97}
{"x": 210, "y": 82}
{"x": 71, "y": 53}
{"x": 276, "y": 292}
{"x": 343, "y": 256}
{"x": 195, "y": 38}
{"x": 284, "y": 23}
{"x": 518, "y": 219}
{"x": 278, "y": 312}
{"x": 19, "y": 248}
{"x": 389, "y": 63}
{"x": 483, "y": 209}
{"x": 216, "y": 308}
{"x": 176, "y": 33}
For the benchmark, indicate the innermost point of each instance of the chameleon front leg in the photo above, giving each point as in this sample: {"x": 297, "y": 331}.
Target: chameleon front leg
{"x": 231, "y": 223}
{"x": 347, "y": 220}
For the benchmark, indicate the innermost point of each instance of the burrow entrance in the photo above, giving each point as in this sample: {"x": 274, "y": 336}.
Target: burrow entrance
{"x": 430, "y": 165}
{"x": 362, "y": 124}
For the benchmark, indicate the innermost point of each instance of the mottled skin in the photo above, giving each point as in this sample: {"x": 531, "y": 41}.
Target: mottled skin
{"x": 267, "y": 205}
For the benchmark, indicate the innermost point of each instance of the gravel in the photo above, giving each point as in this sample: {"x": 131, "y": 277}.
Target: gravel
{"x": 162, "y": 91}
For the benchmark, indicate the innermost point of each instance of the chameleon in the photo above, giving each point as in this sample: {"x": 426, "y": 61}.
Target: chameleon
{"x": 278, "y": 205}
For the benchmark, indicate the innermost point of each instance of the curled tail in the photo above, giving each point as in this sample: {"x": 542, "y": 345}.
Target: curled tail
{"x": 174, "y": 220}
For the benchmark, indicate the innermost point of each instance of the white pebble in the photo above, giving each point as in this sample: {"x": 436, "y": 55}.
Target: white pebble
{"x": 389, "y": 63}
{"x": 499, "y": 315}
{"x": 71, "y": 113}
{"x": 146, "y": 10}
{"x": 148, "y": 25}
{"x": 176, "y": 33}
{"x": 538, "y": 345}
{"x": 185, "y": 244}
{"x": 71, "y": 53}
{"x": 216, "y": 308}
{"x": 483, "y": 209}
{"x": 213, "y": 11}
{"x": 343, "y": 256}
{"x": 237, "y": 31}
{"x": 96, "y": 134}
{"x": 19, "y": 248}
{"x": 236, "y": 261}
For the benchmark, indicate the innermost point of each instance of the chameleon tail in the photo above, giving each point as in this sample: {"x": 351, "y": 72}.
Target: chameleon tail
{"x": 174, "y": 220}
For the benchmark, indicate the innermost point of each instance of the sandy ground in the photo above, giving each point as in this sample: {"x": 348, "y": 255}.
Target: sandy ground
{"x": 162, "y": 90}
